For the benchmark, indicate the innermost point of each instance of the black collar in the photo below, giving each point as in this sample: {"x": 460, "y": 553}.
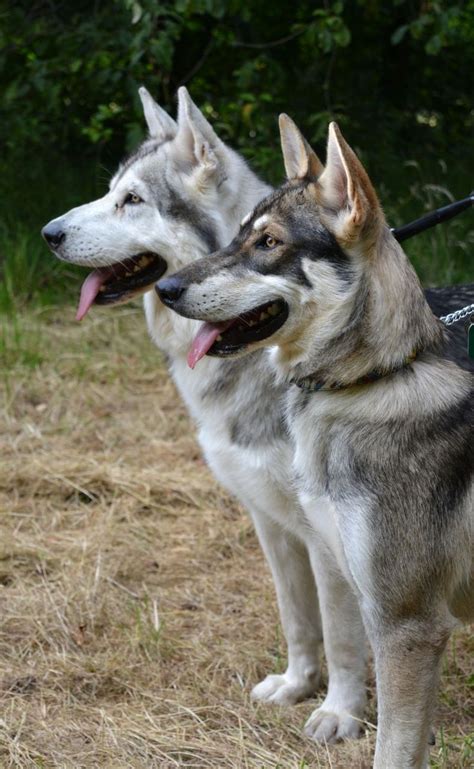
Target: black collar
{"x": 311, "y": 384}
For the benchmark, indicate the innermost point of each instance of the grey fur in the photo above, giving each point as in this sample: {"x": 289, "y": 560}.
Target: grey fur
{"x": 147, "y": 148}
{"x": 384, "y": 471}
{"x": 169, "y": 200}
{"x": 237, "y": 404}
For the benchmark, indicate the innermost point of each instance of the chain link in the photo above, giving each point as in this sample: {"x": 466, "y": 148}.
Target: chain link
{"x": 455, "y": 317}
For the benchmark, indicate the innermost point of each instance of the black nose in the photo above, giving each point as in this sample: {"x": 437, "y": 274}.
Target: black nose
{"x": 170, "y": 290}
{"x": 53, "y": 235}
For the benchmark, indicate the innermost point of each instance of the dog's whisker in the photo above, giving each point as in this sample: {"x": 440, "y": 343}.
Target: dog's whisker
{"x": 243, "y": 319}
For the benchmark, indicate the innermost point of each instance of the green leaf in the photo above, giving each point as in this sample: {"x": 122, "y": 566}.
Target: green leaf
{"x": 399, "y": 34}
{"x": 343, "y": 37}
{"x": 434, "y": 45}
{"x": 137, "y": 12}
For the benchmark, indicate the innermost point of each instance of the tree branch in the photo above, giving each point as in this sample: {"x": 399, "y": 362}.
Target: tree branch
{"x": 273, "y": 44}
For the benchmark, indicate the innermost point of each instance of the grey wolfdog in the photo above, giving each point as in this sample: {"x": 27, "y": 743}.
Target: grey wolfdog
{"x": 181, "y": 195}
{"x": 382, "y": 426}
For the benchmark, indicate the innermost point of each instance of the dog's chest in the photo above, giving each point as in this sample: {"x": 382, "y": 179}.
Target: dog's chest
{"x": 311, "y": 433}
{"x": 235, "y": 399}
{"x": 321, "y": 466}
{"x": 243, "y": 432}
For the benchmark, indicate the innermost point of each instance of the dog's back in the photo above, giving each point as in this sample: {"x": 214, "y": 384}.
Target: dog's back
{"x": 448, "y": 300}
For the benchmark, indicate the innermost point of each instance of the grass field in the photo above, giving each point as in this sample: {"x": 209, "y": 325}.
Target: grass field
{"x": 137, "y": 610}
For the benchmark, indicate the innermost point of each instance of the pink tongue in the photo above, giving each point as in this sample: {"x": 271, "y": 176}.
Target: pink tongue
{"x": 204, "y": 339}
{"x": 90, "y": 289}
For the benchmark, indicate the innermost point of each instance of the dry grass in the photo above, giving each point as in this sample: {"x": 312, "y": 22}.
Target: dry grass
{"x": 137, "y": 610}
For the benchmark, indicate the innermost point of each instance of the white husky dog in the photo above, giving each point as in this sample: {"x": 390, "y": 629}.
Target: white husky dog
{"x": 179, "y": 197}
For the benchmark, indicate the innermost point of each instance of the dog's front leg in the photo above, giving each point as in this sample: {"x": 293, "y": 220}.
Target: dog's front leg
{"x": 340, "y": 715}
{"x": 407, "y": 660}
{"x": 299, "y": 611}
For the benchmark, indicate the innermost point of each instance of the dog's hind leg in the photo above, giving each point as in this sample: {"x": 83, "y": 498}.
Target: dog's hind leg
{"x": 299, "y": 611}
{"x": 340, "y": 715}
{"x": 407, "y": 661}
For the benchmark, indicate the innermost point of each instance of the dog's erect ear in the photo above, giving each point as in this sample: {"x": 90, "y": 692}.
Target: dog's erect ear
{"x": 301, "y": 162}
{"x": 160, "y": 125}
{"x": 346, "y": 187}
{"x": 196, "y": 137}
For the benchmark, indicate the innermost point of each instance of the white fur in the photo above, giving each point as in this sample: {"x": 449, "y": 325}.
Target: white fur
{"x": 219, "y": 184}
{"x": 260, "y": 223}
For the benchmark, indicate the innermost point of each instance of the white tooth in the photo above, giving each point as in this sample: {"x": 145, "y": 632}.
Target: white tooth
{"x": 273, "y": 310}
{"x": 137, "y": 268}
{"x": 264, "y": 315}
{"x": 219, "y": 338}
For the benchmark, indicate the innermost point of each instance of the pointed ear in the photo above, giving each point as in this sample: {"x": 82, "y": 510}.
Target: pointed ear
{"x": 346, "y": 187}
{"x": 196, "y": 136}
{"x": 301, "y": 162}
{"x": 160, "y": 125}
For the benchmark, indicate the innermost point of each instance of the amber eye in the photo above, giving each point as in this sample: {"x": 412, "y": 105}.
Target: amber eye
{"x": 268, "y": 241}
{"x": 133, "y": 198}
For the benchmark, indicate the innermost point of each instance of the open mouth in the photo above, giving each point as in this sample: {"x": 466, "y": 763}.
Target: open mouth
{"x": 232, "y": 336}
{"x": 120, "y": 282}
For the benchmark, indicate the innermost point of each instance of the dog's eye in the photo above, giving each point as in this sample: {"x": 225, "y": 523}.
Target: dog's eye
{"x": 133, "y": 198}
{"x": 268, "y": 241}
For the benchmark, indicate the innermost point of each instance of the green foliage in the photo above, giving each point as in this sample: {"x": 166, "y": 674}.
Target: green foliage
{"x": 439, "y": 26}
{"x": 69, "y": 70}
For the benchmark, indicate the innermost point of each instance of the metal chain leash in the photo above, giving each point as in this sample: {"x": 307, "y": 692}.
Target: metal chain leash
{"x": 455, "y": 317}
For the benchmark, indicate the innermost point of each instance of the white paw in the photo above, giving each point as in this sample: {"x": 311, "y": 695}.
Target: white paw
{"x": 285, "y": 689}
{"x": 329, "y": 726}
